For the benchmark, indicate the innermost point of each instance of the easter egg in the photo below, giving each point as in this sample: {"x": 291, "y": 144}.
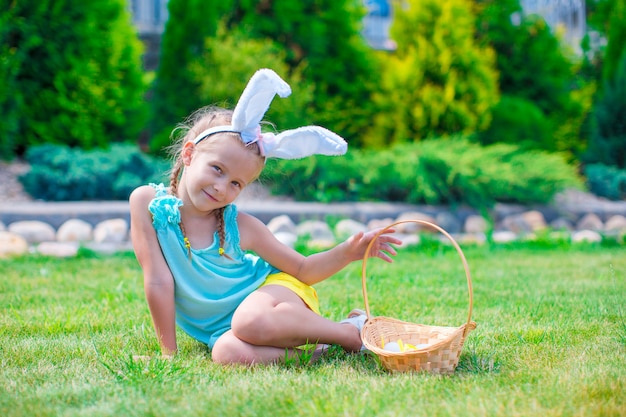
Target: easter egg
{"x": 392, "y": 347}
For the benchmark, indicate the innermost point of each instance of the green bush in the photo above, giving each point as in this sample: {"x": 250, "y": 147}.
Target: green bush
{"x": 322, "y": 178}
{"x": 435, "y": 171}
{"x": 606, "y": 181}
{"x": 517, "y": 120}
{"x": 60, "y": 173}
{"x": 71, "y": 74}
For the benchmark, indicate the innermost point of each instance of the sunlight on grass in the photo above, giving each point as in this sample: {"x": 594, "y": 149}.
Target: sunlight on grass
{"x": 550, "y": 341}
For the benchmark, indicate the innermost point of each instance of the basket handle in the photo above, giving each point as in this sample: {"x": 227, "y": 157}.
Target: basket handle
{"x": 454, "y": 243}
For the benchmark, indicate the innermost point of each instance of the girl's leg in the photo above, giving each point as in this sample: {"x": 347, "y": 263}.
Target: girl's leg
{"x": 275, "y": 316}
{"x": 230, "y": 350}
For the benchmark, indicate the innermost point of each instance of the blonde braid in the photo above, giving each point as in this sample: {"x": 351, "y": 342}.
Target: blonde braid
{"x": 174, "y": 175}
{"x": 221, "y": 232}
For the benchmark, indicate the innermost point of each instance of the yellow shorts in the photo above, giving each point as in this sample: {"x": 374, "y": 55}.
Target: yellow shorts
{"x": 305, "y": 292}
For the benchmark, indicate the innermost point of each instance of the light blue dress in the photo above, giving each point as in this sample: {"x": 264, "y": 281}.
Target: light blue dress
{"x": 209, "y": 287}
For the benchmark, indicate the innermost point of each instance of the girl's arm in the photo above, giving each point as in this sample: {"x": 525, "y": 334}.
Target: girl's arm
{"x": 314, "y": 268}
{"x": 157, "y": 279}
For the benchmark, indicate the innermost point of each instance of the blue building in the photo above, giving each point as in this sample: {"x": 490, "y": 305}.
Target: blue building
{"x": 376, "y": 24}
{"x": 567, "y": 18}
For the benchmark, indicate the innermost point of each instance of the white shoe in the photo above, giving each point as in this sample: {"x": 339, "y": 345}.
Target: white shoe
{"x": 357, "y": 318}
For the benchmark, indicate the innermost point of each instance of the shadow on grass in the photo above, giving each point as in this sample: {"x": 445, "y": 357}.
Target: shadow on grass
{"x": 471, "y": 362}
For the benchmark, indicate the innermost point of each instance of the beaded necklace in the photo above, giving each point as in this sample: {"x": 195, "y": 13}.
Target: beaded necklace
{"x": 188, "y": 243}
{"x": 185, "y": 239}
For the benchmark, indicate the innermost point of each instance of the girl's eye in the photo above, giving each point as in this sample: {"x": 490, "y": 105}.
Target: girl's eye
{"x": 236, "y": 184}
{"x": 218, "y": 169}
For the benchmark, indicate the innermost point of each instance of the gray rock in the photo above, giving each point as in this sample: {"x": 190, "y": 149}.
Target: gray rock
{"x": 108, "y": 248}
{"x": 523, "y": 223}
{"x": 475, "y": 224}
{"x": 34, "y": 231}
{"x": 315, "y": 230}
{"x": 468, "y": 238}
{"x": 111, "y": 231}
{"x": 448, "y": 222}
{"x": 410, "y": 239}
{"x": 535, "y": 220}
{"x": 590, "y": 221}
{"x": 379, "y": 223}
{"x": 75, "y": 230}
{"x": 586, "y": 236}
{"x": 561, "y": 223}
{"x": 12, "y": 244}
{"x": 348, "y": 227}
{"x": 414, "y": 227}
{"x": 504, "y": 236}
{"x": 282, "y": 224}
{"x": 58, "y": 249}
{"x": 616, "y": 223}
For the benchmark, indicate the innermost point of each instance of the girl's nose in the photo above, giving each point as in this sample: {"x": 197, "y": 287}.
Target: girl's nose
{"x": 220, "y": 185}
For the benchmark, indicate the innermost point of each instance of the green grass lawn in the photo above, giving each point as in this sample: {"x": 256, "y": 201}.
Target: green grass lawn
{"x": 550, "y": 341}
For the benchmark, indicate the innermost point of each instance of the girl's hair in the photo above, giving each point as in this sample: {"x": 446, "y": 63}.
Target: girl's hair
{"x": 197, "y": 122}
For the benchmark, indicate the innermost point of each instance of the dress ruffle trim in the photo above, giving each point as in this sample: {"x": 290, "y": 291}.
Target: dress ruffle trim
{"x": 164, "y": 208}
{"x": 230, "y": 219}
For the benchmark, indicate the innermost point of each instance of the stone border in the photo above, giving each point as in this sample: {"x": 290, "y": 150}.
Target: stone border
{"x": 60, "y": 229}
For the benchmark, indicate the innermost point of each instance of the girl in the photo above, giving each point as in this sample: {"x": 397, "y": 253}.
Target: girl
{"x": 192, "y": 243}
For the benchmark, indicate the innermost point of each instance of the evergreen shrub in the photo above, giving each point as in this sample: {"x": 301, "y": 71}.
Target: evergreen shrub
{"x": 534, "y": 68}
{"x": 517, "y": 120}
{"x": 606, "y": 181}
{"x": 438, "y": 81}
{"x": 71, "y": 74}
{"x": 607, "y": 139}
{"x": 435, "y": 171}
{"x": 61, "y": 173}
{"x": 208, "y": 56}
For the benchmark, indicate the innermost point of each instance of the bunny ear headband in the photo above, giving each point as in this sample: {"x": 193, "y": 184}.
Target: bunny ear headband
{"x": 291, "y": 144}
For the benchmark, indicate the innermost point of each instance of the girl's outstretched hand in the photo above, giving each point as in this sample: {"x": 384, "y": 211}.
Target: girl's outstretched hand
{"x": 382, "y": 247}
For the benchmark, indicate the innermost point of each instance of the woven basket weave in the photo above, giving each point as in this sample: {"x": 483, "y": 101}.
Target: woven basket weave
{"x": 440, "y": 346}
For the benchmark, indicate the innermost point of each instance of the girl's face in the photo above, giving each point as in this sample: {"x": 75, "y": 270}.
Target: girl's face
{"x": 216, "y": 171}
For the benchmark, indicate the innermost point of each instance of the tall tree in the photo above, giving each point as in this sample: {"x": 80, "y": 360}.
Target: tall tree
{"x": 73, "y": 73}
{"x": 323, "y": 38}
{"x": 615, "y": 30}
{"x": 438, "y": 81}
{"x": 175, "y": 93}
{"x": 542, "y": 106}
{"x": 607, "y": 142}
{"x": 318, "y": 41}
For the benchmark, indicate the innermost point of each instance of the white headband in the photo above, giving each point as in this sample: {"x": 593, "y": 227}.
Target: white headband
{"x": 290, "y": 144}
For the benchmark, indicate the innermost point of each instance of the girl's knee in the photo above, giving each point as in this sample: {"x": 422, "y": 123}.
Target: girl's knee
{"x": 254, "y": 327}
{"x": 228, "y": 350}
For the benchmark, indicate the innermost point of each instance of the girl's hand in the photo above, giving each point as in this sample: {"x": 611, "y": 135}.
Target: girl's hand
{"x": 382, "y": 247}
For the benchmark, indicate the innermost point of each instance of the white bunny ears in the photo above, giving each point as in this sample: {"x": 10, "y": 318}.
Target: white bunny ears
{"x": 291, "y": 144}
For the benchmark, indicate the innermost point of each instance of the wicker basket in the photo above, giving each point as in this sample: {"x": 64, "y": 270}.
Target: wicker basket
{"x": 438, "y": 348}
